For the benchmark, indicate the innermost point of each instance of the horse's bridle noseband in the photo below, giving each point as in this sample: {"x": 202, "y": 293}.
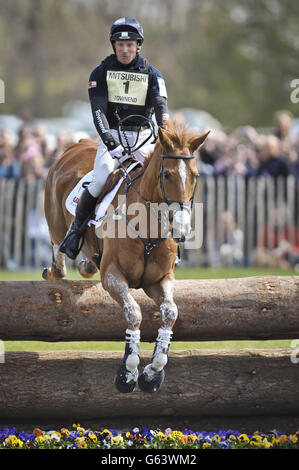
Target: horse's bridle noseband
{"x": 183, "y": 204}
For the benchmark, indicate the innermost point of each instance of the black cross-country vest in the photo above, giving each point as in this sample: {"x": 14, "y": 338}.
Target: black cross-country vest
{"x": 127, "y": 89}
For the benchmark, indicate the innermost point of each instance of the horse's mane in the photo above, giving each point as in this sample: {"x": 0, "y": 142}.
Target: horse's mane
{"x": 179, "y": 134}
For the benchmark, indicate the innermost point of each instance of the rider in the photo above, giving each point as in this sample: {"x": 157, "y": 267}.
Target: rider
{"x": 122, "y": 85}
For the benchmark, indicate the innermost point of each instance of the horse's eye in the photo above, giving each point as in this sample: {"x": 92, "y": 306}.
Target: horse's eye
{"x": 167, "y": 175}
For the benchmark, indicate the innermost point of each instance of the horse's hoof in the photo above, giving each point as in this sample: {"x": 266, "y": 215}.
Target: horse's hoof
{"x": 87, "y": 269}
{"x": 125, "y": 380}
{"x": 45, "y": 274}
{"x": 150, "y": 383}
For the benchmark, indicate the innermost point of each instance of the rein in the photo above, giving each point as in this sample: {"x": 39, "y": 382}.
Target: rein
{"x": 184, "y": 205}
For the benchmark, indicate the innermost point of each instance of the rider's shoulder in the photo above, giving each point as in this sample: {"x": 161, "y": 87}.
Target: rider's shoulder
{"x": 153, "y": 71}
{"x": 144, "y": 63}
{"x": 102, "y": 67}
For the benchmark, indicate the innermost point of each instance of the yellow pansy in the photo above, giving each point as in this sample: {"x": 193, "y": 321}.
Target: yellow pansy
{"x": 65, "y": 432}
{"x": 117, "y": 439}
{"x": 92, "y": 437}
{"x": 243, "y": 438}
{"x": 266, "y": 443}
{"x": 254, "y": 443}
{"x": 206, "y": 445}
{"x": 176, "y": 434}
{"x": 80, "y": 441}
{"x": 276, "y": 440}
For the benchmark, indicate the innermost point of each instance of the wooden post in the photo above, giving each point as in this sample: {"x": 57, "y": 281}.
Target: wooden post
{"x": 213, "y": 309}
{"x": 74, "y": 385}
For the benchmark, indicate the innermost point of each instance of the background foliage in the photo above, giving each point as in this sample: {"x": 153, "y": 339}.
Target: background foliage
{"x": 233, "y": 58}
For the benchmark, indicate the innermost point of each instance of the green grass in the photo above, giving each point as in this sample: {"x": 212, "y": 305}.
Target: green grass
{"x": 181, "y": 273}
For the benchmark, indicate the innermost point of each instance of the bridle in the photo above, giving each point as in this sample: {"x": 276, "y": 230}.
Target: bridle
{"x": 184, "y": 205}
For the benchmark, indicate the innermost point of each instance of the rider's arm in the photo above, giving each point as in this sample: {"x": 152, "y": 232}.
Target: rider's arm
{"x": 161, "y": 110}
{"x": 98, "y": 95}
{"x": 158, "y": 95}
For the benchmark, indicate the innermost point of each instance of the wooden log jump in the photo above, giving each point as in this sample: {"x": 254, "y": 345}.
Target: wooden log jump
{"x": 79, "y": 385}
{"x": 251, "y": 308}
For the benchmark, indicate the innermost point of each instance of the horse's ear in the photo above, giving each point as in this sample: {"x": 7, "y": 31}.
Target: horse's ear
{"x": 165, "y": 141}
{"x": 198, "y": 141}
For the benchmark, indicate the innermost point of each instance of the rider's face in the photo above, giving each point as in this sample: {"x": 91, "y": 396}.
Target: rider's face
{"x": 126, "y": 51}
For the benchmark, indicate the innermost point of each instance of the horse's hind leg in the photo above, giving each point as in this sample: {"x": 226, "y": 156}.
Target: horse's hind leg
{"x": 58, "y": 268}
{"x": 153, "y": 374}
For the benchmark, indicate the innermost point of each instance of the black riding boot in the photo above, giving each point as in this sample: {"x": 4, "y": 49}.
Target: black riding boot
{"x": 84, "y": 211}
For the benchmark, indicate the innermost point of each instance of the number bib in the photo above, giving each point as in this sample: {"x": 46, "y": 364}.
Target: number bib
{"x": 127, "y": 87}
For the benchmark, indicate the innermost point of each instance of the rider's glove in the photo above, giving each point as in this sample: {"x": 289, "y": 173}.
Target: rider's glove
{"x": 117, "y": 152}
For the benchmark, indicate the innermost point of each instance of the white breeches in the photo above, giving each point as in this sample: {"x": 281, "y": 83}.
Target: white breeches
{"x": 104, "y": 164}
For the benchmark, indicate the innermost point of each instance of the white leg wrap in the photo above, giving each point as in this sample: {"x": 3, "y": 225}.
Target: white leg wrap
{"x": 133, "y": 340}
{"x": 161, "y": 352}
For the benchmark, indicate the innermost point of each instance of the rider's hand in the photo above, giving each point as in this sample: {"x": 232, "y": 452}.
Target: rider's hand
{"x": 117, "y": 152}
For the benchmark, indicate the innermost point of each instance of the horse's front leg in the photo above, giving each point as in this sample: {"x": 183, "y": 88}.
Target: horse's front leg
{"x": 153, "y": 374}
{"x": 117, "y": 286}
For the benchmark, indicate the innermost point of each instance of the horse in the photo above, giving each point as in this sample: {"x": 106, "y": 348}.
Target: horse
{"x": 134, "y": 260}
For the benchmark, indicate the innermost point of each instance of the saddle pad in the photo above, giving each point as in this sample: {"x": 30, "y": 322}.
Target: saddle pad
{"x": 74, "y": 196}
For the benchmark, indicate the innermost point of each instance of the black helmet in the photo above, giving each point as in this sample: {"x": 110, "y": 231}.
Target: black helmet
{"x": 126, "y": 29}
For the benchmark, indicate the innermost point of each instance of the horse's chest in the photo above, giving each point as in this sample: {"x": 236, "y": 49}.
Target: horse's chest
{"x": 155, "y": 270}
{"x": 137, "y": 272}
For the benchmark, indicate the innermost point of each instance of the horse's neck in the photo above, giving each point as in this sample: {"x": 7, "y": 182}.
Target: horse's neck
{"x": 150, "y": 180}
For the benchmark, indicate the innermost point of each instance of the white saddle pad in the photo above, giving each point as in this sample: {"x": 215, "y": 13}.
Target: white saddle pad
{"x": 101, "y": 210}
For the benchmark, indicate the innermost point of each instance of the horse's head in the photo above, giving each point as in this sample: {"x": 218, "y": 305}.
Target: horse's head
{"x": 178, "y": 175}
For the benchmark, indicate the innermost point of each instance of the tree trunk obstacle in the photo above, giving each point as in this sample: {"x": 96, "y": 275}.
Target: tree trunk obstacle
{"x": 254, "y": 308}
{"x": 78, "y": 385}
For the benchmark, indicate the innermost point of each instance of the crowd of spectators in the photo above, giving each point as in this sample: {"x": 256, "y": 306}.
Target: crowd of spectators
{"x": 247, "y": 152}
{"x": 244, "y": 151}
{"x": 29, "y": 154}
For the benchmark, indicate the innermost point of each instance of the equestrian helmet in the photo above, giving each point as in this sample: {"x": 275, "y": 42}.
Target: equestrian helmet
{"x": 126, "y": 29}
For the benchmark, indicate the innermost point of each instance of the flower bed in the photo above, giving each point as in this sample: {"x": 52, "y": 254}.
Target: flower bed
{"x": 143, "y": 438}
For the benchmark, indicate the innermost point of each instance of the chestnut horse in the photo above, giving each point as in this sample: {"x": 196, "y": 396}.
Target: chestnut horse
{"x": 168, "y": 176}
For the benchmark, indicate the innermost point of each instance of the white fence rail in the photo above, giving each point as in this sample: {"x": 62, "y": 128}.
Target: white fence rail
{"x": 252, "y": 221}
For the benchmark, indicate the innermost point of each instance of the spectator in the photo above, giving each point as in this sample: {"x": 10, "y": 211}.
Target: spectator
{"x": 64, "y": 140}
{"x": 271, "y": 161}
{"x": 283, "y": 124}
{"x": 9, "y": 167}
{"x": 40, "y": 136}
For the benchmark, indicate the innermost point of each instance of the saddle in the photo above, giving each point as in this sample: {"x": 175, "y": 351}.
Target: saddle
{"x": 114, "y": 178}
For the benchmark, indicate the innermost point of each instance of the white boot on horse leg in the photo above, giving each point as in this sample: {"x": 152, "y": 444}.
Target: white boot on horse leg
{"x": 153, "y": 374}
{"x": 127, "y": 374}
